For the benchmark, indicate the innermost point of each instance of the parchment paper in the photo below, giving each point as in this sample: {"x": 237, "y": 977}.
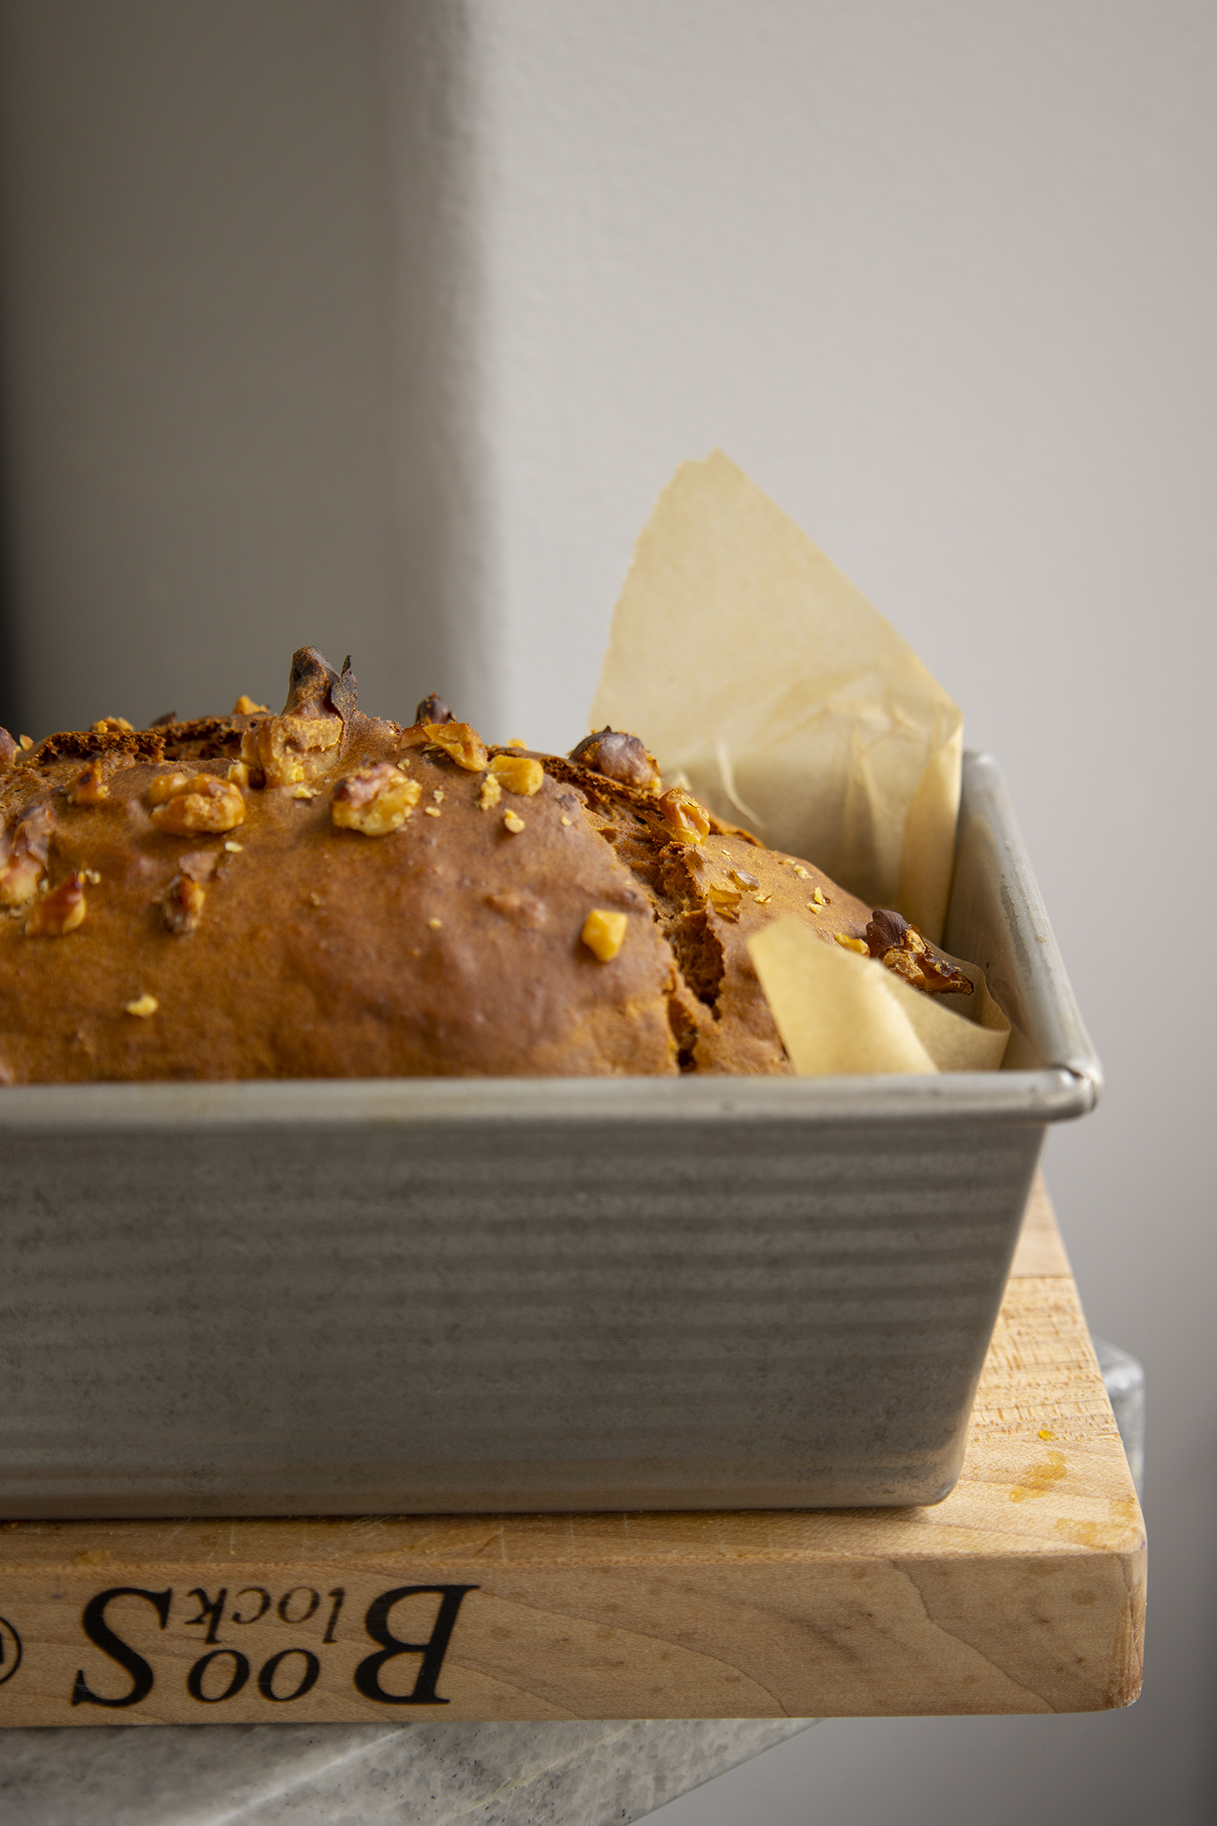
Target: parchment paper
{"x": 840, "y": 1013}
{"x": 747, "y": 661}
{"x": 752, "y": 667}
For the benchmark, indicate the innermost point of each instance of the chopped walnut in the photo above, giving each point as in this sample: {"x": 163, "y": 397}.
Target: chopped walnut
{"x": 165, "y": 786}
{"x": 433, "y": 710}
{"x": 182, "y": 906}
{"x": 27, "y": 742}
{"x": 235, "y": 847}
{"x": 857, "y": 945}
{"x": 293, "y": 750}
{"x": 490, "y": 794}
{"x": 376, "y": 801}
{"x": 90, "y": 787}
{"x": 802, "y": 873}
{"x": 143, "y": 1006}
{"x": 819, "y": 898}
{"x": 618, "y": 757}
{"x": 744, "y": 879}
{"x": 433, "y": 811}
{"x": 316, "y": 692}
{"x": 240, "y": 773}
{"x": 23, "y": 855}
{"x": 200, "y": 803}
{"x": 368, "y": 783}
{"x": 902, "y": 949}
{"x": 518, "y": 773}
{"x": 888, "y": 930}
{"x": 460, "y": 743}
{"x": 113, "y": 725}
{"x": 245, "y": 706}
{"x": 688, "y": 821}
{"x": 9, "y": 750}
{"x": 435, "y": 924}
{"x": 513, "y": 823}
{"x": 60, "y": 911}
{"x": 604, "y": 933}
{"x": 724, "y": 901}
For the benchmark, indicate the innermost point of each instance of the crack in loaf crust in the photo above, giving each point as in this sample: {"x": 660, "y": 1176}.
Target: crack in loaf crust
{"x": 326, "y": 894}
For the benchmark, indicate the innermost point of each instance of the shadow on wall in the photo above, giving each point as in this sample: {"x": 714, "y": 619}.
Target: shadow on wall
{"x": 10, "y": 682}
{"x": 237, "y": 257}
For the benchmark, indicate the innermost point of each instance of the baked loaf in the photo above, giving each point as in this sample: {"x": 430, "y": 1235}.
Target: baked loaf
{"x": 325, "y": 894}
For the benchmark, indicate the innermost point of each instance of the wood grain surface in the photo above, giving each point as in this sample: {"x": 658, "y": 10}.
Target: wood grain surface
{"x": 1022, "y": 1592}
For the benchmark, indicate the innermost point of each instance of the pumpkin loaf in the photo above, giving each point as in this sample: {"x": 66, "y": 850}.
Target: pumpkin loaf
{"x": 327, "y": 894}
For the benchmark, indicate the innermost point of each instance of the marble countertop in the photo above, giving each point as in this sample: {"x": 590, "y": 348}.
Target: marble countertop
{"x": 369, "y": 1775}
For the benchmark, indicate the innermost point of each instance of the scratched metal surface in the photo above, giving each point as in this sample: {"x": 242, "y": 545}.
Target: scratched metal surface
{"x": 426, "y": 1295}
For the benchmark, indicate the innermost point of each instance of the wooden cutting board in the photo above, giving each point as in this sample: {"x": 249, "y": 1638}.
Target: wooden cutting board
{"x": 1022, "y": 1592}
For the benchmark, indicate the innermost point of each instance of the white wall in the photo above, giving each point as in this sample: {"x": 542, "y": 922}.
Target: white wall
{"x": 942, "y": 278}
{"x": 940, "y": 275}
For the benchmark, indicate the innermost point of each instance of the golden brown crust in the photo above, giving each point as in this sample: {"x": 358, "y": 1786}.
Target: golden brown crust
{"x": 325, "y": 894}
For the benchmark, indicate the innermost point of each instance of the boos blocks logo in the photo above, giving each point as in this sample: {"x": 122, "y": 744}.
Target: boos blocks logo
{"x": 254, "y": 1652}
{"x": 10, "y": 1650}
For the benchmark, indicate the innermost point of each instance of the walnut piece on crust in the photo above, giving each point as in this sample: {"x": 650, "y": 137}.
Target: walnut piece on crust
{"x": 314, "y": 689}
{"x": 91, "y": 787}
{"x": 461, "y": 743}
{"x": 618, "y": 757}
{"x": 900, "y": 947}
{"x": 604, "y": 933}
{"x": 376, "y": 800}
{"x": 200, "y": 803}
{"x": 520, "y": 774}
{"x": 60, "y": 911}
{"x": 688, "y": 820}
{"x": 432, "y": 710}
{"x": 182, "y": 906}
{"x": 723, "y": 900}
{"x": 165, "y": 786}
{"x": 8, "y": 749}
{"x": 292, "y": 750}
{"x": 303, "y": 744}
{"x": 23, "y": 855}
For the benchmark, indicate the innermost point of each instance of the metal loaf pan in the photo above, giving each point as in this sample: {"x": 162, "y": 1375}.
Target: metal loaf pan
{"x": 512, "y": 1294}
